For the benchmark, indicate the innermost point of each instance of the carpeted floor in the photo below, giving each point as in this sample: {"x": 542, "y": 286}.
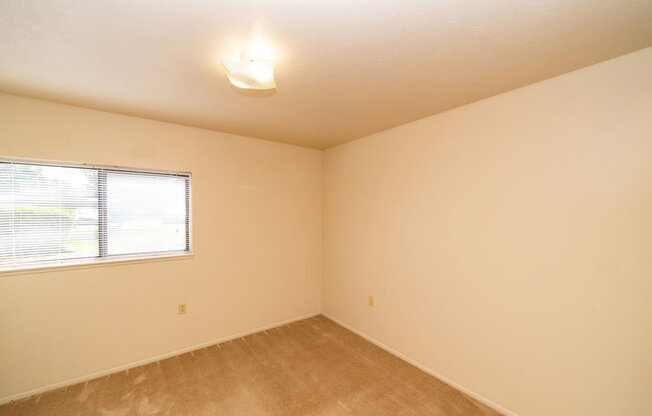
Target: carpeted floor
{"x": 309, "y": 367}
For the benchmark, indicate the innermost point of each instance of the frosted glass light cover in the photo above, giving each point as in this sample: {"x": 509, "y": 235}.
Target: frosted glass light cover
{"x": 249, "y": 73}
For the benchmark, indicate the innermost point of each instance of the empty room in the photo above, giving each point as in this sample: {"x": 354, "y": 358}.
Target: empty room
{"x": 325, "y": 208}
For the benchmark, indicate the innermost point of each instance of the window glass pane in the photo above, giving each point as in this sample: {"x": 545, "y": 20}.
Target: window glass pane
{"x": 146, "y": 213}
{"x": 47, "y": 213}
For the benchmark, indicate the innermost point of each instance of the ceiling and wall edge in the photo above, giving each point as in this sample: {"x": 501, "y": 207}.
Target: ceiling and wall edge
{"x": 171, "y": 120}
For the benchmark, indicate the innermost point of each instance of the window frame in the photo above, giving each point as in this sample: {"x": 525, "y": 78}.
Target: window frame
{"x": 103, "y": 258}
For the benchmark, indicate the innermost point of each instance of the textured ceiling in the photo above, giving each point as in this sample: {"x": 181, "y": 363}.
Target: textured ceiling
{"x": 345, "y": 68}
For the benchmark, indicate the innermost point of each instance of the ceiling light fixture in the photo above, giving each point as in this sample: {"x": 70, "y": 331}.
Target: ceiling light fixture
{"x": 249, "y": 72}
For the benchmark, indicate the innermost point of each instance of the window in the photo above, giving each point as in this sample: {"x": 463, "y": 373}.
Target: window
{"x": 59, "y": 214}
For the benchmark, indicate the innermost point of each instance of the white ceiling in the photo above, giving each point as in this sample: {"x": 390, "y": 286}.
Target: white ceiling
{"x": 345, "y": 68}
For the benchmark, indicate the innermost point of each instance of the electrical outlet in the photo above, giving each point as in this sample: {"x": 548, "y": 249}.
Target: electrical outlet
{"x": 371, "y": 301}
{"x": 182, "y": 309}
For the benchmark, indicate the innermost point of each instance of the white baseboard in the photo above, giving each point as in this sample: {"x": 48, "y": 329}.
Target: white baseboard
{"x": 433, "y": 373}
{"x": 124, "y": 367}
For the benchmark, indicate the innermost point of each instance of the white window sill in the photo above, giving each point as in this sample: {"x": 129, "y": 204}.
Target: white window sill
{"x": 94, "y": 262}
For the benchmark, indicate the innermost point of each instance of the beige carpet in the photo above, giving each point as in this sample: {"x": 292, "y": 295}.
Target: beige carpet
{"x": 310, "y": 367}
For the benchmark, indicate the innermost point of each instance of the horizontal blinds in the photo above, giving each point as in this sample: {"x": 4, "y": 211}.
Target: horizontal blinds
{"x": 60, "y": 214}
{"x": 47, "y": 213}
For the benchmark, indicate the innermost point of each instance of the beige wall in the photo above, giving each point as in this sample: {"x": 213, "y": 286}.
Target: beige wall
{"x": 508, "y": 243}
{"x": 257, "y": 244}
